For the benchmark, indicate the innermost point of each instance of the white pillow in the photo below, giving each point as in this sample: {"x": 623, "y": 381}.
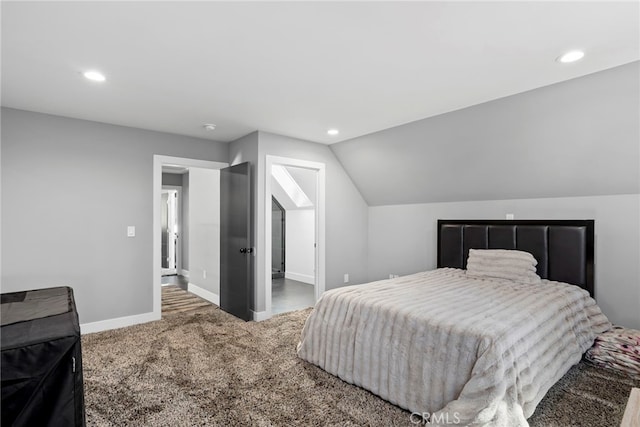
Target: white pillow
{"x": 517, "y": 266}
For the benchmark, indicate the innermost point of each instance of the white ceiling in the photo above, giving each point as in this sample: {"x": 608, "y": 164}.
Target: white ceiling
{"x": 296, "y": 68}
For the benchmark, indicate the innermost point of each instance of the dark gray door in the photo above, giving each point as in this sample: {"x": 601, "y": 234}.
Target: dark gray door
{"x": 236, "y": 253}
{"x": 277, "y": 239}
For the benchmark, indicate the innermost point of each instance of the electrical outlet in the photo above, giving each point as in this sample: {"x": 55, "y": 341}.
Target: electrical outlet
{"x": 510, "y": 216}
{"x": 346, "y": 278}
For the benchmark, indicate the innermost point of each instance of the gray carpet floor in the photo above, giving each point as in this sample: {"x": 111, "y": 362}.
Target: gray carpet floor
{"x": 208, "y": 368}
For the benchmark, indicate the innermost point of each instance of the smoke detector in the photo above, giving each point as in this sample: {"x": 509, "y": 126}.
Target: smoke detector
{"x": 209, "y": 127}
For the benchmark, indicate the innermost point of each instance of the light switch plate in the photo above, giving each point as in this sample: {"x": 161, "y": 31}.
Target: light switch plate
{"x": 131, "y": 231}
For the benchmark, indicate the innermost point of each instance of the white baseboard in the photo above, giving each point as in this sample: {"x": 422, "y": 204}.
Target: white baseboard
{"x": 259, "y": 316}
{"x": 203, "y": 293}
{"x": 119, "y": 322}
{"x": 184, "y": 273}
{"x": 304, "y": 278}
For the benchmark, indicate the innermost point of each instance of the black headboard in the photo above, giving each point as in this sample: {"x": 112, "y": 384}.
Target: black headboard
{"x": 563, "y": 248}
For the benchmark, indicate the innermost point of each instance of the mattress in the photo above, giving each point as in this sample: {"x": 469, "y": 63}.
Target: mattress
{"x": 451, "y": 347}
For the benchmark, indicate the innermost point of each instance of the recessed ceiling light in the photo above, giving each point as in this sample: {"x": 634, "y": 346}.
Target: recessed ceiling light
{"x": 209, "y": 126}
{"x": 94, "y": 76}
{"x": 571, "y": 56}
{"x": 333, "y": 132}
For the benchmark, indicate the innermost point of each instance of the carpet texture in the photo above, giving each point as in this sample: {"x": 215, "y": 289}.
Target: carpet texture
{"x": 206, "y": 367}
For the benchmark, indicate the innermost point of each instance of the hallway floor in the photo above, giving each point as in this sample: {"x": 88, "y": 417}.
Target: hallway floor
{"x": 174, "y": 279}
{"x": 290, "y": 295}
{"x": 177, "y": 300}
{"x": 286, "y": 295}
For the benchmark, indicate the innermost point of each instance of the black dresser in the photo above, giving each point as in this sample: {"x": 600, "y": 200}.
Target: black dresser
{"x": 41, "y": 359}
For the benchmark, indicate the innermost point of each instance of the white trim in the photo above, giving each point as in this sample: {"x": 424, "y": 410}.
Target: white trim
{"x": 119, "y": 322}
{"x": 259, "y": 316}
{"x": 203, "y": 293}
{"x": 158, "y": 162}
{"x": 184, "y": 273}
{"x": 319, "y": 205}
{"x": 304, "y": 278}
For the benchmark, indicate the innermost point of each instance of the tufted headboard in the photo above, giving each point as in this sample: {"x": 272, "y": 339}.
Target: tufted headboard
{"x": 563, "y": 248}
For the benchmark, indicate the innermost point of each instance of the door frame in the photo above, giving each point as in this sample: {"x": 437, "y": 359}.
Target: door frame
{"x": 179, "y": 218}
{"x": 319, "y": 204}
{"x": 158, "y": 162}
{"x": 284, "y": 235}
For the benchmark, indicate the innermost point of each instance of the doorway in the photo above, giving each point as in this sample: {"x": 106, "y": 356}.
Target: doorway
{"x": 298, "y": 188}
{"x": 171, "y": 257}
{"x": 278, "y": 239}
{"x": 160, "y": 162}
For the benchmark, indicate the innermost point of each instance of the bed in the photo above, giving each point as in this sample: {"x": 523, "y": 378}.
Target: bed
{"x": 455, "y": 349}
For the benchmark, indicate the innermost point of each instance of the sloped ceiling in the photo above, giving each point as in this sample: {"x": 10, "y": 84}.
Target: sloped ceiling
{"x": 305, "y": 178}
{"x": 575, "y": 138}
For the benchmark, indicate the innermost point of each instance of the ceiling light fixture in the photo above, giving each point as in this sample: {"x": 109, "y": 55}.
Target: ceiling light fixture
{"x": 333, "y": 132}
{"x": 571, "y": 56}
{"x": 94, "y": 76}
{"x": 209, "y": 127}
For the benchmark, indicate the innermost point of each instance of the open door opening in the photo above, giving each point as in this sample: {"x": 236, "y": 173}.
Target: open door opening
{"x": 170, "y": 217}
{"x": 278, "y": 239}
{"x": 295, "y": 234}
{"x": 195, "y": 260}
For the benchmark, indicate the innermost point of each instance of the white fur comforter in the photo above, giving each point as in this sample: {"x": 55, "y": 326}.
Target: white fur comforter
{"x": 480, "y": 351}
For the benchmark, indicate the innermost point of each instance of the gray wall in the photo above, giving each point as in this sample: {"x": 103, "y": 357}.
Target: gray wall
{"x": 299, "y": 245}
{"x": 402, "y": 240}
{"x": 174, "y": 179}
{"x": 576, "y": 138}
{"x": 70, "y": 189}
{"x": 204, "y": 220}
{"x": 185, "y": 221}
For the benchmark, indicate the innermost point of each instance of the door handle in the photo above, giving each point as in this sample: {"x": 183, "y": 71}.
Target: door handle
{"x": 246, "y": 250}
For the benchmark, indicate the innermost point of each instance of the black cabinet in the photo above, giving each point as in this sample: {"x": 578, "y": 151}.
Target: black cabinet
{"x": 41, "y": 359}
